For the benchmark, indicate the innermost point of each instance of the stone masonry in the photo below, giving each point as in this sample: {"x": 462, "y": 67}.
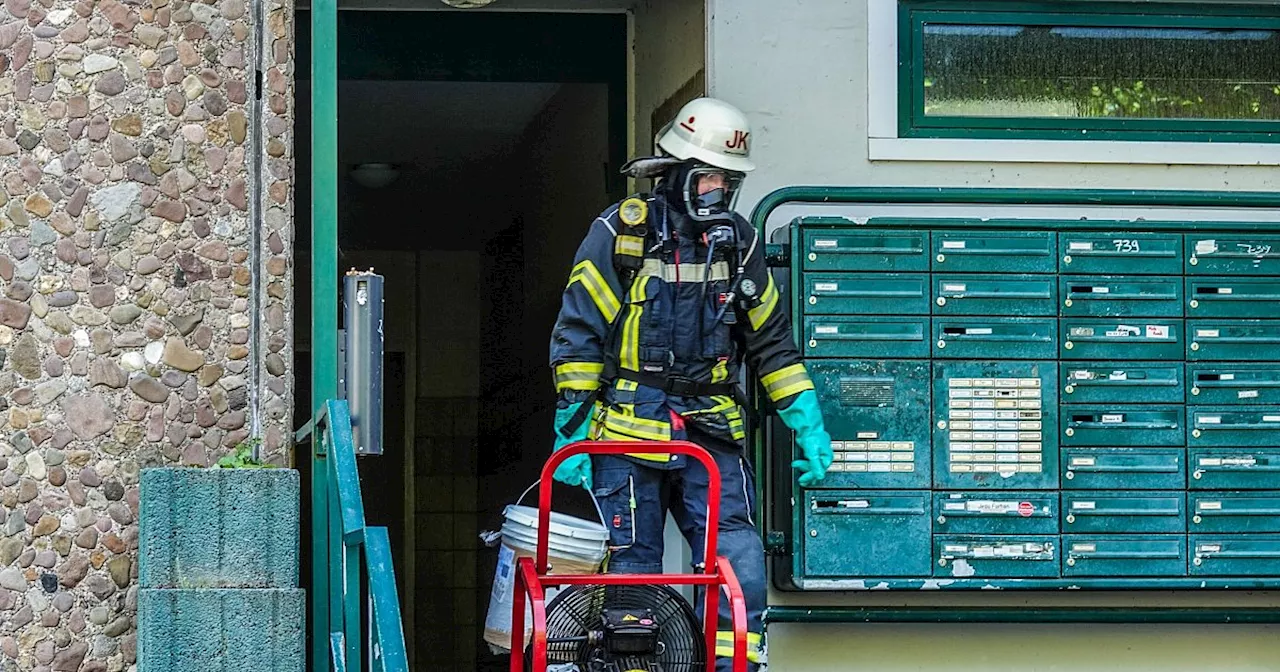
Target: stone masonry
{"x": 145, "y": 288}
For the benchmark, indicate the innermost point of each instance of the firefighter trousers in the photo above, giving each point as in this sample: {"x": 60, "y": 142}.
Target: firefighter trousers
{"x": 635, "y": 500}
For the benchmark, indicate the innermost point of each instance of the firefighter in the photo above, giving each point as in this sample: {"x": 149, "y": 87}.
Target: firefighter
{"x": 669, "y": 293}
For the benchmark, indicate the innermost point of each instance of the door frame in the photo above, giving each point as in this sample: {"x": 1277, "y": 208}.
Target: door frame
{"x": 324, "y": 177}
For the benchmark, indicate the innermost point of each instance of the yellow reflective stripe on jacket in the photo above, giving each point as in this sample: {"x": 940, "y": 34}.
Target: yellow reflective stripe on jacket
{"x": 629, "y": 353}
{"x": 786, "y": 381}
{"x": 724, "y": 645}
{"x": 622, "y": 418}
{"x": 768, "y": 301}
{"x": 606, "y": 301}
{"x": 583, "y": 376}
{"x": 632, "y": 246}
{"x": 720, "y": 371}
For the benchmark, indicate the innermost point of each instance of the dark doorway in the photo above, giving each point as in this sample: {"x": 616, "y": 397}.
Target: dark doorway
{"x": 506, "y": 131}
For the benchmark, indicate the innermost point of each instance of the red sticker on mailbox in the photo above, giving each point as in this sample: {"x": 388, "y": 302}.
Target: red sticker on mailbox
{"x": 1025, "y": 509}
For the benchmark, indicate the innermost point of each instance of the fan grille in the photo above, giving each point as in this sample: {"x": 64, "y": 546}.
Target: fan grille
{"x": 577, "y": 611}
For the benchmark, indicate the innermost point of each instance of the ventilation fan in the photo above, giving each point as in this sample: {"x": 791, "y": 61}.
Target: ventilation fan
{"x": 623, "y": 628}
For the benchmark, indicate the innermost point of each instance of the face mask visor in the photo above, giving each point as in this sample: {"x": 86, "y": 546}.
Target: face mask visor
{"x": 719, "y": 191}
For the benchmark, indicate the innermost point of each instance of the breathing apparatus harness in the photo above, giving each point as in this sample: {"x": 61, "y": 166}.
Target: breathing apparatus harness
{"x": 629, "y": 251}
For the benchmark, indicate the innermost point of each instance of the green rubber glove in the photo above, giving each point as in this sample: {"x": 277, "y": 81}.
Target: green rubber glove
{"x": 804, "y": 417}
{"x": 577, "y": 469}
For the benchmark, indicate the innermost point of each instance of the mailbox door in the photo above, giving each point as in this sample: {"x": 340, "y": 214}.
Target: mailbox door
{"x": 995, "y": 556}
{"x": 867, "y": 250}
{"x": 1232, "y": 254}
{"x": 1120, "y": 296}
{"x": 866, "y": 294}
{"x": 1234, "y": 512}
{"x": 994, "y": 252}
{"x": 1122, "y": 383}
{"x": 1124, "y": 555}
{"x": 994, "y": 425}
{"x": 1124, "y": 512}
{"x": 955, "y": 294}
{"x": 1091, "y": 468}
{"x": 871, "y": 337}
{"x": 1121, "y": 253}
{"x": 995, "y": 512}
{"x": 872, "y": 534}
{"x": 1234, "y": 555}
{"x": 1234, "y": 426}
{"x": 1122, "y": 426}
{"x": 1136, "y": 339}
{"x": 1232, "y": 340}
{"x": 1232, "y": 297}
{"x": 998, "y": 337}
{"x": 1243, "y": 383}
{"x": 877, "y": 413}
{"x": 1234, "y": 468}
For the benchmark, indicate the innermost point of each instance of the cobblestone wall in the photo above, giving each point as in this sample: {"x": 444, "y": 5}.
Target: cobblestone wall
{"x": 145, "y": 237}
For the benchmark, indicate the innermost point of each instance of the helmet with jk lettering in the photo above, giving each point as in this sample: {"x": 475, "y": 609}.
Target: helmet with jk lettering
{"x": 711, "y": 138}
{"x": 710, "y": 131}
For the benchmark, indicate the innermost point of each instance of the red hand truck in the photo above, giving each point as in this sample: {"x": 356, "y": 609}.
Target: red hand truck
{"x": 532, "y": 579}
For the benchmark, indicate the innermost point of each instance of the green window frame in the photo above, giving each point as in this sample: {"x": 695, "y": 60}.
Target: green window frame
{"x": 914, "y": 15}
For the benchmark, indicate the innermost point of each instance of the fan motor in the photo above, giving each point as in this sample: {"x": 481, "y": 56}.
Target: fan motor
{"x": 630, "y": 632}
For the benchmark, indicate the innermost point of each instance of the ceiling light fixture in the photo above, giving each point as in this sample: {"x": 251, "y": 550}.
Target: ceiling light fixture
{"x": 374, "y": 175}
{"x": 467, "y": 4}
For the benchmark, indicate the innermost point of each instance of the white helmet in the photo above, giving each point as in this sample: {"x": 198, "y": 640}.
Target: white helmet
{"x": 710, "y": 131}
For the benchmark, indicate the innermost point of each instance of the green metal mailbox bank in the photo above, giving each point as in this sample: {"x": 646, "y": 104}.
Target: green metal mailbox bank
{"x": 1032, "y": 390}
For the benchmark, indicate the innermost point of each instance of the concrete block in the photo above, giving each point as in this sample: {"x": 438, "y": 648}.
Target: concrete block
{"x": 218, "y": 528}
{"x": 221, "y": 630}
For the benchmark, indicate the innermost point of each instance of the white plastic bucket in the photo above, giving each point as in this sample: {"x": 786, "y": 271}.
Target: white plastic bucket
{"x": 574, "y": 546}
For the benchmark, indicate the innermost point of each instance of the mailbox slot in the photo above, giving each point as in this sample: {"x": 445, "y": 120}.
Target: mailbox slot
{"x": 990, "y": 556}
{"x": 877, "y": 413}
{"x": 1109, "y": 296}
{"x": 1232, "y": 254}
{"x": 995, "y": 513}
{"x": 1233, "y": 425}
{"x": 1123, "y": 512}
{"x": 870, "y": 337}
{"x": 1124, "y": 555}
{"x": 866, "y": 294}
{"x": 1234, "y": 468}
{"x": 994, "y": 251}
{"x": 1234, "y": 383}
{"x": 1240, "y": 555}
{"x": 1115, "y": 468}
{"x": 1130, "y": 339}
{"x": 1234, "y": 340}
{"x": 1122, "y": 383}
{"x": 1122, "y": 426}
{"x": 833, "y": 250}
{"x": 994, "y": 295}
{"x": 1128, "y": 253}
{"x": 852, "y": 533}
{"x": 1002, "y": 338}
{"x": 1234, "y": 512}
{"x": 1232, "y": 297}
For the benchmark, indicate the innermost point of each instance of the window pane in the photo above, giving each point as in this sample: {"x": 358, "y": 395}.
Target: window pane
{"x": 1101, "y": 72}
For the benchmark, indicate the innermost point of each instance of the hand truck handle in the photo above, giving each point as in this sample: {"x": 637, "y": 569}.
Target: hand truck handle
{"x": 589, "y": 447}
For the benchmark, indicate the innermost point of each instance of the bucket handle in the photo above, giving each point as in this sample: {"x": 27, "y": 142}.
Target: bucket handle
{"x": 595, "y": 502}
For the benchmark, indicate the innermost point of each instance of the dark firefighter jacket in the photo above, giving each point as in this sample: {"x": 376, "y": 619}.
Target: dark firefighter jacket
{"x": 663, "y": 327}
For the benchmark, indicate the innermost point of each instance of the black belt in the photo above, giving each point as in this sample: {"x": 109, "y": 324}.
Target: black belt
{"x": 679, "y": 386}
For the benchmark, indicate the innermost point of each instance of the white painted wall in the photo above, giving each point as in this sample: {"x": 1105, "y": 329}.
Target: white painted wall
{"x": 799, "y": 69}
